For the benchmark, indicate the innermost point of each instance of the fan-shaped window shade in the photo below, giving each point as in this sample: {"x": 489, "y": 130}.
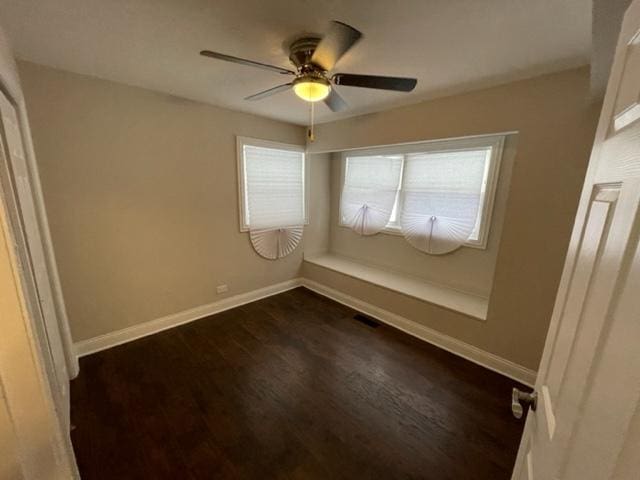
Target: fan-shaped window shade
{"x": 272, "y": 195}
{"x": 276, "y": 243}
{"x": 369, "y": 193}
{"x": 441, "y": 195}
{"x": 274, "y": 187}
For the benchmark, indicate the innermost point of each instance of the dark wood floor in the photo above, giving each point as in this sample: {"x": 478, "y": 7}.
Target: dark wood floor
{"x": 289, "y": 387}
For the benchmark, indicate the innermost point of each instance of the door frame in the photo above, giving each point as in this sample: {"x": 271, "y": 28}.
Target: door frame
{"x": 38, "y": 440}
{"x": 50, "y": 269}
{"x": 35, "y": 443}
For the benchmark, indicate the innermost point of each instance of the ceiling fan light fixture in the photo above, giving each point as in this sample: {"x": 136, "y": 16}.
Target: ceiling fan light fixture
{"x": 313, "y": 59}
{"x": 312, "y": 89}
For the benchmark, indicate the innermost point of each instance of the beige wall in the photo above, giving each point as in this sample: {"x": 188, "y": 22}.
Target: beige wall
{"x": 141, "y": 194}
{"x": 555, "y": 124}
{"x": 316, "y": 234}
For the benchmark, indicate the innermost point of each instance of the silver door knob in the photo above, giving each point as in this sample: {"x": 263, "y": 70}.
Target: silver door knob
{"x": 518, "y": 398}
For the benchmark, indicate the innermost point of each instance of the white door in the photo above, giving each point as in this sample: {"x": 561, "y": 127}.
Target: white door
{"x": 18, "y": 194}
{"x": 587, "y": 422}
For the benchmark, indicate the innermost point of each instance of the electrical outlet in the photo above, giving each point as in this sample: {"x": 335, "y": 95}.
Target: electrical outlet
{"x": 222, "y": 289}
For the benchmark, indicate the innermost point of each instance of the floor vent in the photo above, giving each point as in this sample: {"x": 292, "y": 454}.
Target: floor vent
{"x": 366, "y": 320}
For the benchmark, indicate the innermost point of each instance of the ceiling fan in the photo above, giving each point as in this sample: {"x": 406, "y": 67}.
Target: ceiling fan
{"x": 314, "y": 58}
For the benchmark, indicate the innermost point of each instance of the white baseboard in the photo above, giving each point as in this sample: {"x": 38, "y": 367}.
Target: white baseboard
{"x": 453, "y": 345}
{"x": 112, "y": 339}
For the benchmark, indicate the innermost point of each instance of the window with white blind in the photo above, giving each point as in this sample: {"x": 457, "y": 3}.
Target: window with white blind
{"x": 453, "y": 180}
{"x": 272, "y": 190}
{"x": 370, "y": 191}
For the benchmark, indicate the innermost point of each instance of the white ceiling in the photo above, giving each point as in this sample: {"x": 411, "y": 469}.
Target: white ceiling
{"x": 449, "y": 45}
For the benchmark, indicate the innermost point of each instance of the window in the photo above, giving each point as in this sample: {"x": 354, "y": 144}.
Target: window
{"x": 457, "y": 175}
{"x": 370, "y": 190}
{"x": 272, "y": 190}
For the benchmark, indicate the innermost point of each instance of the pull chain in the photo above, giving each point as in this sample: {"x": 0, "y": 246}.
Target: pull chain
{"x": 310, "y": 134}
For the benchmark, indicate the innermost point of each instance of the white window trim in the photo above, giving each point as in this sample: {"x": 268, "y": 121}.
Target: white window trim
{"x": 242, "y": 194}
{"x": 496, "y": 142}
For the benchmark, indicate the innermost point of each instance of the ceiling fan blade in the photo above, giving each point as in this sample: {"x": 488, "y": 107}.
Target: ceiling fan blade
{"x": 338, "y": 40}
{"x": 399, "y": 84}
{"x": 269, "y": 92}
{"x": 244, "y": 61}
{"x": 335, "y": 102}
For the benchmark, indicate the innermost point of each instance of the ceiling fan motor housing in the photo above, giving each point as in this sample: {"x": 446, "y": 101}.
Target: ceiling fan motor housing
{"x": 300, "y": 53}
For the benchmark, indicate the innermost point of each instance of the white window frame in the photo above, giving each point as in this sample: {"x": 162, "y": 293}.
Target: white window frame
{"x": 495, "y": 142}
{"x": 241, "y": 142}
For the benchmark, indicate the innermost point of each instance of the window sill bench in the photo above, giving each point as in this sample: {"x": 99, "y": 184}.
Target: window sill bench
{"x": 466, "y": 303}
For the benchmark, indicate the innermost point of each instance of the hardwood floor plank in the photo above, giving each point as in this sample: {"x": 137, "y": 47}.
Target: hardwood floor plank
{"x": 382, "y": 396}
{"x": 289, "y": 387}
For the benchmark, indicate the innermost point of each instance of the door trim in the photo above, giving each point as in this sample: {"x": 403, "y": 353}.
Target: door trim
{"x": 36, "y": 428}
{"x": 42, "y": 225}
